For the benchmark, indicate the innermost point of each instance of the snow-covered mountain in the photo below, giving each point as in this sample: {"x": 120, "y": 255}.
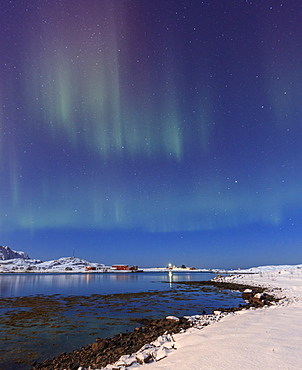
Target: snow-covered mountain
{"x": 68, "y": 263}
{"x": 6, "y": 254}
{"x": 64, "y": 264}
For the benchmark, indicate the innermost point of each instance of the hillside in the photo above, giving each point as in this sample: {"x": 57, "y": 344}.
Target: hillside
{"x": 7, "y": 254}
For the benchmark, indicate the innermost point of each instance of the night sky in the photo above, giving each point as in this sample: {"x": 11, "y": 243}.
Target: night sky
{"x": 147, "y": 132}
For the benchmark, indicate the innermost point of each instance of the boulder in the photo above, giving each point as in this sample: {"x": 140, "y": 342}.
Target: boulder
{"x": 173, "y": 318}
{"x": 161, "y": 353}
{"x": 144, "y": 358}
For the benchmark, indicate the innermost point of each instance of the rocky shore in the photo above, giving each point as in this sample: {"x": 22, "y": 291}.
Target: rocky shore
{"x": 109, "y": 350}
{"x": 151, "y": 341}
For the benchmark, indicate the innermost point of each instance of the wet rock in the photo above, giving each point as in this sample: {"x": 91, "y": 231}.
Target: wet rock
{"x": 99, "y": 344}
{"x": 247, "y": 294}
{"x": 110, "y": 350}
{"x": 257, "y": 299}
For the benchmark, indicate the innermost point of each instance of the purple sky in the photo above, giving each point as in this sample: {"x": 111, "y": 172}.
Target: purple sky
{"x": 148, "y": 132}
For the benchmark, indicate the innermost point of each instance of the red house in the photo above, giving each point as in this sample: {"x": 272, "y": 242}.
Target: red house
{"x": 124, "y": 268}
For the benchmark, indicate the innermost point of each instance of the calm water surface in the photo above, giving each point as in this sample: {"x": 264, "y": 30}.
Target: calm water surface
{"x": 43, "y": 315}
{"x": 91, "y": 283}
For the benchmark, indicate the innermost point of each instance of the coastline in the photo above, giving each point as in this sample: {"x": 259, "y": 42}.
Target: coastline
{"x": 127, "y": 350}
{"x": 54, "y": 315}
{"x": 266, "y": 338}
{"x": 285, "y": 283}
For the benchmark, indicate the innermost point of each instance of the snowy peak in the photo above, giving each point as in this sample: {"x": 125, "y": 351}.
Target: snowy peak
{"x": 6, "y": 254}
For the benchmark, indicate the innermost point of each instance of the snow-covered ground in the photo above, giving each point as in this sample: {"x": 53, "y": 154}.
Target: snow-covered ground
{"x": 263, "y": 338}
{"x": 64, "y": 264}
{"x": 266, "y": 338}
{"x": 252, "y": 270}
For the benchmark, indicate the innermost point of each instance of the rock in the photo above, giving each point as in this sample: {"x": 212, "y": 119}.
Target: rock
{"x": 247, "y": 295}
{"x": 216, "y": 312}
{"x": 162, "y": 340}
{"x": 257, "y": 299}
{"x": 99, "y": 344}
{"x": 173, "y": 318}
{"x": 169, "y": 345}
{"x": 126, "y": 360}
{"x": 146, "y": 347}
{"x": 258, "y": 296}
{"x": 110, "y": 350}
{"x": 161, "y": 353}
{"x": 144, "y": 358}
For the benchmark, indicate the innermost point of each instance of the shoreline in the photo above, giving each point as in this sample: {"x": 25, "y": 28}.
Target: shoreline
{"x": 120, "y": 351}
{"x": 269, "y": 338}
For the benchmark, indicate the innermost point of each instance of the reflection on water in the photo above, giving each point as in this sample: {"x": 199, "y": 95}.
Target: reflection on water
{"x": 174, "y": 277}
{"x": 90, "y": 283}
{"x": 45, "y": 315}
{"x": 170, "y": 274}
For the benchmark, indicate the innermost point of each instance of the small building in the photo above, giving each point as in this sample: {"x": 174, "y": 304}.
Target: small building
{"x": 124, "y": 268}
{"x": 90, "y": 268}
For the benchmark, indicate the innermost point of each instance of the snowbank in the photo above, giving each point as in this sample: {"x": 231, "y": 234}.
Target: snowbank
{"x": 267, "y": 338}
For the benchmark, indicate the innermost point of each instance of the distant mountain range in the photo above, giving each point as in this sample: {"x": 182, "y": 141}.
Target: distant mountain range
{"x": 15, "y": 261}
{"x": 7, "y": 254}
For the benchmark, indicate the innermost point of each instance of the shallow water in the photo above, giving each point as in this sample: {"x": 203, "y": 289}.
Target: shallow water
{"x": 91, "y": 283}
{"x": 45, "y": 315}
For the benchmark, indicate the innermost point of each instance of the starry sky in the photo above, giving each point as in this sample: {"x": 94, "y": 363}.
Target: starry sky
{"x": 147, "y": 132}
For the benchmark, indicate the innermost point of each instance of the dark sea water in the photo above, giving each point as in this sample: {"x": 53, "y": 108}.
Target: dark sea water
{"x": 43, "y": 315}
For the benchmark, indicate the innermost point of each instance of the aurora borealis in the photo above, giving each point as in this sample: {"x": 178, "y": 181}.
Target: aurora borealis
{"x": 138, "y": 131}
